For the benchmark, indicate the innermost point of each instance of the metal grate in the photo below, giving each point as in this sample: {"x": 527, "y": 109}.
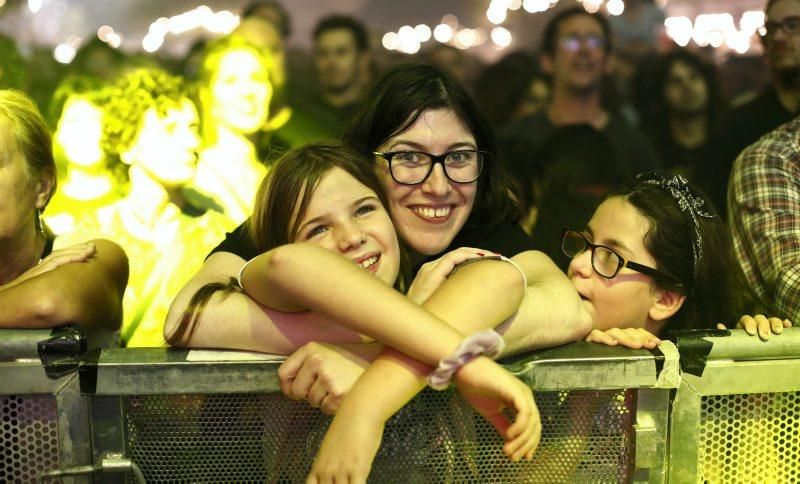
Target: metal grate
{"x": 436, "y": 438}
{"x": 750, "y": 438}
{"x": 28, "y": 437}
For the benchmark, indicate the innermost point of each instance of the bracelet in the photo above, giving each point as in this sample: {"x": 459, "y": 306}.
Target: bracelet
{"x": 239, "y": 275}
{"x": 494, "y": 257}
{"x": 486, "y": 342}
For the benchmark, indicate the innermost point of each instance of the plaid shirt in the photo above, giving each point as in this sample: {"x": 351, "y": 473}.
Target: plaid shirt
{"x": 764, "y": 209}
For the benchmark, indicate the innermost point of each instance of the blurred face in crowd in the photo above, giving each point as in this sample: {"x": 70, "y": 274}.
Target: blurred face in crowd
{"x": 783, "y": 44}
{"x": 348, "y": 218}
{"x": 429, "y": 215}
{"x": 166, "y": 146}
{"x": 629, "y": 299}
{"x": 241, "y": 91}
{"x": 685, "y": 90}
{"x": 579, "y": 61}
{"x": 20, "y": 194}
{"x": 536, "y": 98}
{"x": 337, "y": 60}
{"x": 265, "y": 35}
{"x": 79, "y": 132}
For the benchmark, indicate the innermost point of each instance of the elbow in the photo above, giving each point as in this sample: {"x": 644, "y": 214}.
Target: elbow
{"x": 581, "y": 324}
{"x": 49, "y": 310}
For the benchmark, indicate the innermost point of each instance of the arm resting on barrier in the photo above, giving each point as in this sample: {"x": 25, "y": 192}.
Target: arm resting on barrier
{"x": 551, "y": 313}
{"x": 236, "y": 321}
{"x": 88, "y": 293}
{"x": 393, "y": 379}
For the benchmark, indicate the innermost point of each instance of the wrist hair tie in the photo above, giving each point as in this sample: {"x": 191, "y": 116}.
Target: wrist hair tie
{"x": 486, "y": 342}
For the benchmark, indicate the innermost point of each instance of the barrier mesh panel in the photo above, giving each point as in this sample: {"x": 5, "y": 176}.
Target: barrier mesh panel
{"x": 436, "y": 438}
{"x": 750, "y": 438}
{"x": 28, "y": 437}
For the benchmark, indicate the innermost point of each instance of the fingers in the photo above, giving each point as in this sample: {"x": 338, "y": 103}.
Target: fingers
{"x": 634, "y": 338}
{"x": 776, "y": 324}
{"x": 301, "y": 386}
{"x": 597, "y": 336}
{"x": 721, "y": 326}
{"x": 764, "y": 326}
{"x": 288, "y": 370}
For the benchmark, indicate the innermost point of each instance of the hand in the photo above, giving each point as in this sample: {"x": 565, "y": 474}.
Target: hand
{"x": 765, "y": 326}
{"x": 347, "y": 451}
{"x": 320, "y": 373}
{"x": 634, "y": 338}
{"x": 489, "y": 389}
{"x": 73, "y": 253}
{"x": 432, "y": 274}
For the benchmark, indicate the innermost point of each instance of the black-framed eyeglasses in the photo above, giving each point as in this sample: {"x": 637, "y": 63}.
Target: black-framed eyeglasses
{"x": 414, "y": 167}
{"x": 606, "y": 261}
{"x": 572, "y": 43}
{"x": 790, "y": 25}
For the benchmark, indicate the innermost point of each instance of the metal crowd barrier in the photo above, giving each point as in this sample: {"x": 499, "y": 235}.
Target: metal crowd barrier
{"x": 736, "y": 414}
{"x": 608, "y": 415}
{"x": 44, "y": 420}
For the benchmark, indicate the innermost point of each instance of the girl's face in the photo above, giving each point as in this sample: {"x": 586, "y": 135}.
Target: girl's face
{"x": 626, "y": 300}
{"x": 429, "y": 215}
{"x": 79, "y": 132}
{"x": 241, "y": 91}
{"x": 346, "y": 217}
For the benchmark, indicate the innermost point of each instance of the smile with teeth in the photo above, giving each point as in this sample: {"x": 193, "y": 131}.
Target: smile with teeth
{"x": 367, "y": 263}
{"x": 430, "y": 212}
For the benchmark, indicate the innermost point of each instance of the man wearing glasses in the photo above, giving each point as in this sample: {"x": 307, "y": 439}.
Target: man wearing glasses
{"x": 778, "y": 104}
{"x": 576, "y": 50}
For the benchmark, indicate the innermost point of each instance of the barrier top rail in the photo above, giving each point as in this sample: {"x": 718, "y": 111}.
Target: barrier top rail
{"x": 141, "y": 371}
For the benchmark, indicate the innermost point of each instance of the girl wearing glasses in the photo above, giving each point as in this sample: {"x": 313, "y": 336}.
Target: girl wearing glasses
{"x": 655, "y": 258}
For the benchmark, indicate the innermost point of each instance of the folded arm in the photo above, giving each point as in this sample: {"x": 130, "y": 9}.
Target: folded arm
{"x": 551, "y": 312}
{"x": 87, "y": 292}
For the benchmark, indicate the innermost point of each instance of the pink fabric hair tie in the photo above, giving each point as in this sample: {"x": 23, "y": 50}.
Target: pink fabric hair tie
{"x": 486, "y": 342}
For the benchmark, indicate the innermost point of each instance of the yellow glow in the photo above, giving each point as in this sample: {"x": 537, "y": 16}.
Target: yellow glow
{"x": 79, "y": 131}
{"x": 165, "y": 146}
{"x": 241, "y": 91}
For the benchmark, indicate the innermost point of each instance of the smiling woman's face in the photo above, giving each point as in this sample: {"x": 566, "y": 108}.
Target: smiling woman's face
{"x": 428, "y": 216}
{"x": 625, "y": 300}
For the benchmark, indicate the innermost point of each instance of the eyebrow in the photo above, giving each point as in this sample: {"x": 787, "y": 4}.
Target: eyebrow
{"x": 356, "y": 203}
{"x": 417, "y": 146}
{"x": 612, "y": 242}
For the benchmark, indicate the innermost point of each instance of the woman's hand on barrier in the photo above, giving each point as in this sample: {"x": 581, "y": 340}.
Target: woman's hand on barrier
{"x": 73, "y": 253}
{"x": 764, "y": 326}
{"x": 320, "y": 373}
{"x": 634, "y": 338}
{"x": 348, "y": 449}
{"x": 490, "y": 389}
{"x": 432, "y": 274}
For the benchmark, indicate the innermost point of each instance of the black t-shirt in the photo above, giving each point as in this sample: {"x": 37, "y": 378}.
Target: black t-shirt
{"x": 633, "y": 151}
{"x": 740, "y": 128}
{"x": 507, "y": 239}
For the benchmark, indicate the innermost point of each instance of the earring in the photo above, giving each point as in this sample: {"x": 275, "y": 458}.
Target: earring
{"x": 39, "y": 223}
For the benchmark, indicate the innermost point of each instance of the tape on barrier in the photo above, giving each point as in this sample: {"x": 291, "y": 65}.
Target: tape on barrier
{"x": 60, "y": 352}
{"x": 88, "y": 372}
{"x": 694, "y": 348}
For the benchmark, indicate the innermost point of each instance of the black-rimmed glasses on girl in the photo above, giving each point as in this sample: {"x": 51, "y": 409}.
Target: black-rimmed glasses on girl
{"x": 606, "y": 261}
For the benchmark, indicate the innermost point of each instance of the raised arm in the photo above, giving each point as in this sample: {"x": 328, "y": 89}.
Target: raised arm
{"x": 87, "y": 292}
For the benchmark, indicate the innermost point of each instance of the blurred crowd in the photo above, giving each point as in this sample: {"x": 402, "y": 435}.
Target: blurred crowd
{"x": 165, "y": 155}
